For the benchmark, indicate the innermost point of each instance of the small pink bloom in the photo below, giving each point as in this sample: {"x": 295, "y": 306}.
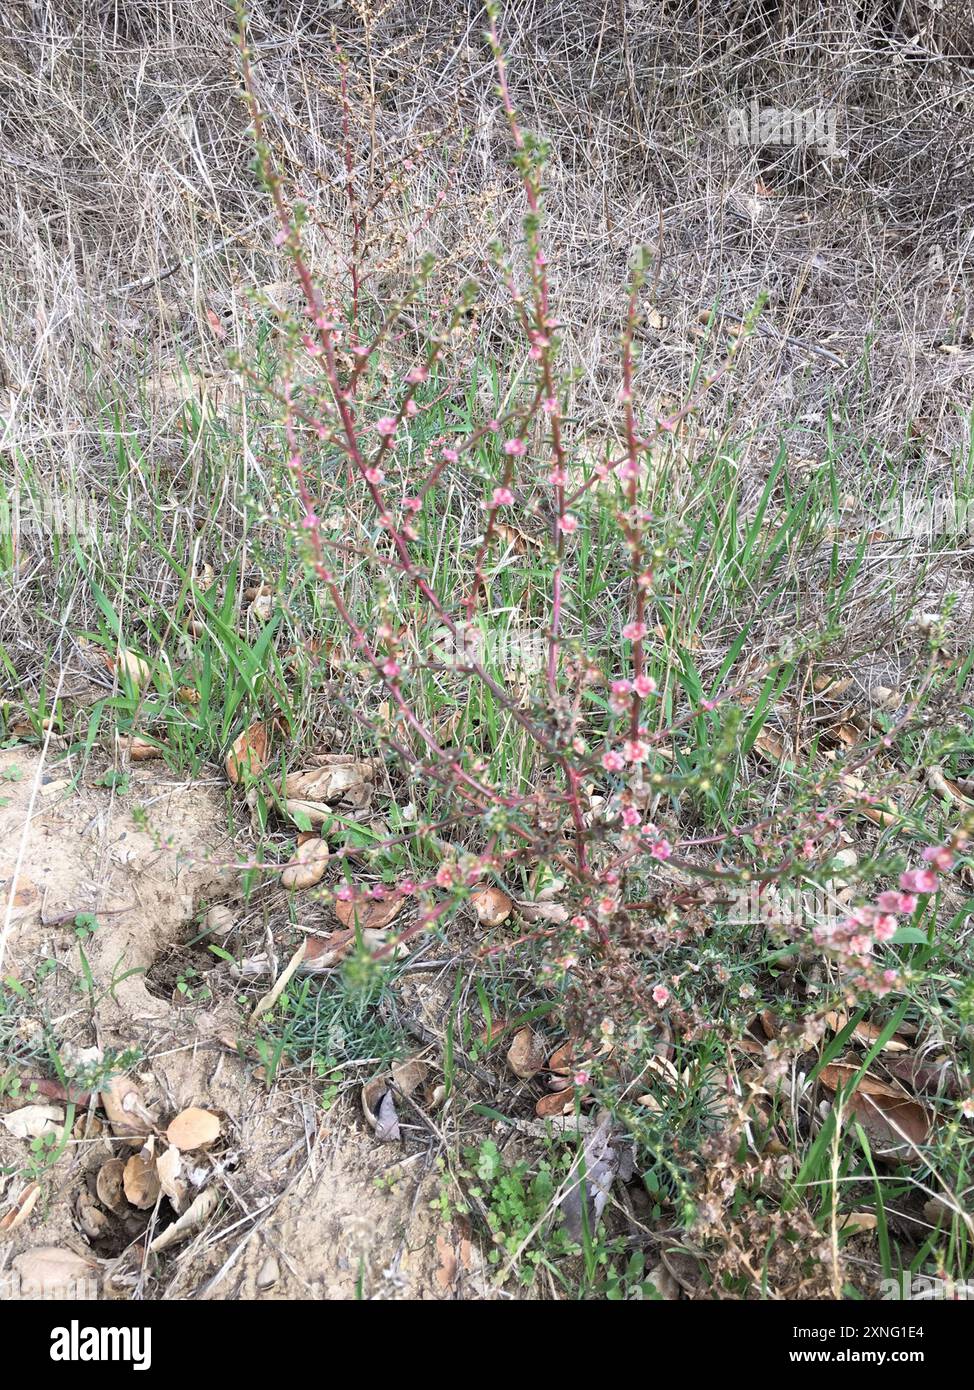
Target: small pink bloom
{"x": 412, "y": 504}
{"x": 568, "y": 524}
{"x": 344, "y": 894}
{"x": 621, "y": 687}
{"x": 644, "y": 685}
{"x": 884, "y": 927}
{"x": 919, "y": 881}
{"x": 310, "y": 521}
{"x": 374, "y": 475}
{"x": 391, "y": 669}
{"x": 415, "y": 375}
{"x": 386, "y": 426}
{"x": 635, "y": 631}
{"x": 514, "y": 446}
{"x": 444, "y": 876}
{"x": 890, "y": 900}
{"x": 636, "y": 750}
{"x": 939, "y": 857}
{"x": 613, "y": 762}
{"x": 502, "y": 497}
{"x": 558, "y": 477}
{"x": 412, "y": 409}
{"x": 630, "y": 817}
{"x": 450, "y": 455}
{"x": 661, "y": 995}
{"x": 661, "y": 849}
{"x": 581, "y": 1078}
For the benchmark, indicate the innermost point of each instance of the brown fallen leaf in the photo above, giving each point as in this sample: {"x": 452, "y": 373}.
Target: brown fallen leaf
{"x": 866, "y": 1032}
{"x": 409, "y": 1075}
{"x": 20, "y": 1209}
{"x": 130, "y": 664}
{"x": 339, "y": 778}
{"x": 369, "y": 914}
{"x": 770, "y": 747}
{"x": 195, "y": 1216}
{"x": 193, "y": 1128}
{"x": 379, "y": 1106}
{"x": 526, "y": 1054}
{"x": 446, "y": 1270}
{"x": 249, "y": 752}
{"x": 169, "y": 1167}
{"x": 880, "y": 815}
{"x": 34, "y": 1121}
{"x": 556, "y": 1103}
{"x": 491, "y": 904}
{"x": 947, "y": 787}
{"x": 307, "y": 865}
{"x": 893, "y": 1120}
{"x": 127, "y": 1112}
{"x": 139, "y": 749}
{"x": 141, "y": 1182}
{"x": 109, "y": 1185}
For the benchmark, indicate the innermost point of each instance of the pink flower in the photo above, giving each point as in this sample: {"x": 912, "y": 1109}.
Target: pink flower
{"x": 450, "y": 455}
{"x": 558, "y": 477}
{"x": 310, "y": 520}
{"x": 415, "y": 375}
{"x": 630, "y": 817}
{"x": 502, "y": 497}
{"x": 621, "y": 688}
{"x": 636, "y": 750}
{"x": 661, "y": 995}
{"x": 885, "y": 927}
{"x": 919, "y": 881}
{"x": 581, "y": 1078}
{"x": 411, "y": 504}
{"x": 635, "y": 631}
{"x": 568, "y": 523}
{"x": 514, "y": 446}
{"x": 661, "y": 849}
{"x": 444, "y": 876}
{"x": 391, "y": 669}
{"x": 550, "y": 405}
{"x": 412, "y": 409}
{"x": 385, "y": 426}
{"x": 644, "y": 685}
{"x": 374, "y": 475}
{"x": 344, "y": 894}
{"x": 939, "y": 856}
{"x": 613, "y": 762}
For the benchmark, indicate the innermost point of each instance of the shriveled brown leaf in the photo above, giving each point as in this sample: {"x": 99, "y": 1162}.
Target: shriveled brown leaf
{"x": 33, "y": 1121}
{"x": 491, "y": 904}
{"x": 21, "y": 1208}
{"x": 947, "y": 787}
{"x": 126, "y": 1110}
{"x": 130, "y": 664}
{"x": 140, "y": 1181}
{"x": 538, "y": 911}
{"x": 866, "y": 1032}
{"x": 140, "y": 750}
{"x": 409, "y": 1074}
{"x": 195, "y": 1216}
{"x": 307, "y": 865}
{"x": 109, "y": 1184}
{"x": 249, "y": 752}
{"x": 892, "y": 1119}
{"x": 194, "y": 1128}
{"x": 556, "y": 1103}
{"x": 169, "y": 1167}
{"x": 370, "y": 914}
{"x": 338, "y": 778}
{"x": 526, "y": 1054}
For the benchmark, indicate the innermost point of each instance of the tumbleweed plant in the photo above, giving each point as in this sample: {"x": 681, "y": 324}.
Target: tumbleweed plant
{"x": 503, "y": 587}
